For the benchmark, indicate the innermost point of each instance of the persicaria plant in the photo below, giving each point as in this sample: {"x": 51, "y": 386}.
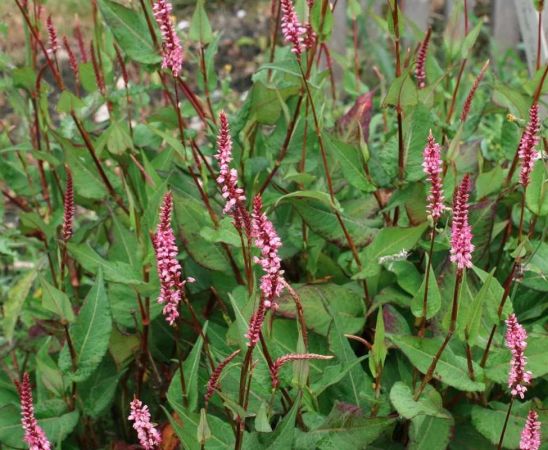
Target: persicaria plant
{"x": 272, "y": 242}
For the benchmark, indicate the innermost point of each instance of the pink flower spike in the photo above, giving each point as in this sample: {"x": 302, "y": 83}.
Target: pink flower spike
{"x": 420, "y": 69}
{"x": 530, "y": 436}
{"x": 292, "y": 29}
{"x": 228, "y": 179}
{"x": 171, "y": 45}
{"x": 527, "y": 152}
{"x": 268, "y": 242}
{"x": 34, "y": 435}
{"x": 68, "y": 218}
{"x": 169, "y": 269}
{"x": 213, "y": 383}
{"x": 461, "y": 231}
{"x": 468, "y": 101}
{"x": 277, "y": 365}
{"x": 52, "y": 33}
{"x": 516, "y": 341}
{"x": 432, "y": 167}
{"x": 148, "y": 435}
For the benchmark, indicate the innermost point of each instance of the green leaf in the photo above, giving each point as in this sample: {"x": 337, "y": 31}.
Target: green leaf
{"x": 323, "y": 221}
{"x": 69, "y": 103}
{"x": 489, "y": 182}
{"x": 352, "y": 164}
{"x": 475, "y": 311}
{"x": 285, "y": 432}
{"x": 116, "y": 271}
{"x": 56, "y": 301}
{"x": 192, "y": 217}
{"x": 536, "y": 195}
{"x": 379, "y": 350}
{"x": 190, "y": 367}
{"x": 434, "y": 297}
{"x": 402, "y": 92}
{"x": 349, "y": 307}
{"x": 130, "y": 31}
{"x": 222, "y": 436}
{"x": 24, "y": 77}
{"x": 389, "y": 241}
{"x": 118, "y": 140}
{"x": 451, "y": 368}
{"x": 200, "y": 28}
{"x": 470, "y": 40}
{"x": 429, "y": 403}
{"x": 415, "y": 138}
{"x": 430, "y": 433}
{"x": 322, "y": 197}
{"x": 90, "y": 334}
{"x": 97, "y": 392}
{"x": 343, "y": 432}
{"x": 204, "y": 433}
{"x": 14, "y": 303}
{"x": 262, "y": 424}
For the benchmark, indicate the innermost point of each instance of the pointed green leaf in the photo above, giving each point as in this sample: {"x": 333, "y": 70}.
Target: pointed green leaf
{"x": 200, "y": 28}
{"x": 13, "y": 304}
{"x": 56, "y": 301}
{"x": 90, "y": 334}
{"x": 433, "y": 302}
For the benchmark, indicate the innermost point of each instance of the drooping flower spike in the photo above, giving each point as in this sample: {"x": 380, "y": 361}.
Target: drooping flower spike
{"x": 34, "y": 435}
{"x": 169, "y": 269}
{"x": 68, "y": 217}
{"x": 228, "y": 179}
{"x": 292, "y": 29}
{"x": 171, "y": 45}
{"x": 433, "y": 167}
{"x": 420, "y": 68}
{"x": 277, "y": 365}
{"x": 148, "y": 435}
{"x": 516, "y": 341}
{"x": 527, "y": 152}
{"x": 268, "y": 242}
{"x": 470, "y": 97}
{"x": 213, "y": 383}
{"x": 461, "y": 231}
{"x": 530, "y": 436}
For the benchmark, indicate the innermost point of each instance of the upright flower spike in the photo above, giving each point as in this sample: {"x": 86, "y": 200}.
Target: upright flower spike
{"x": 516, "y": 341}
{"x": 470, "y": 97}
{"x": 169, "y": 269}
{"x": 34, "y": 435}
{"x": 68, "y": 216}
{"x": 73, "y": 62}
{"x": 213, "y": 383}
{"x": 171, "y": 45}
{"x": 77, "y": 32}
{"x": 461, "y": 231}
{"x": 292, "y": 29}
{"x": 420, "y": 68}
{"x": 228, "y": 179}
{"x": 432, "y": 167}
{"x": 527, "y": 152}
{"x": 255, "y": 325}
{"x": 52, "y": 34}
{"x": 268, "y": 242}
{"x": 148, "y": 435}
{"x": 277, "y": 365}
{"x": 530, "y": 436}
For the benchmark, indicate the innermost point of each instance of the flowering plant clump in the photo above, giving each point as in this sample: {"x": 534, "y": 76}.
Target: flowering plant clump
{"x": 224, "y": 230}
